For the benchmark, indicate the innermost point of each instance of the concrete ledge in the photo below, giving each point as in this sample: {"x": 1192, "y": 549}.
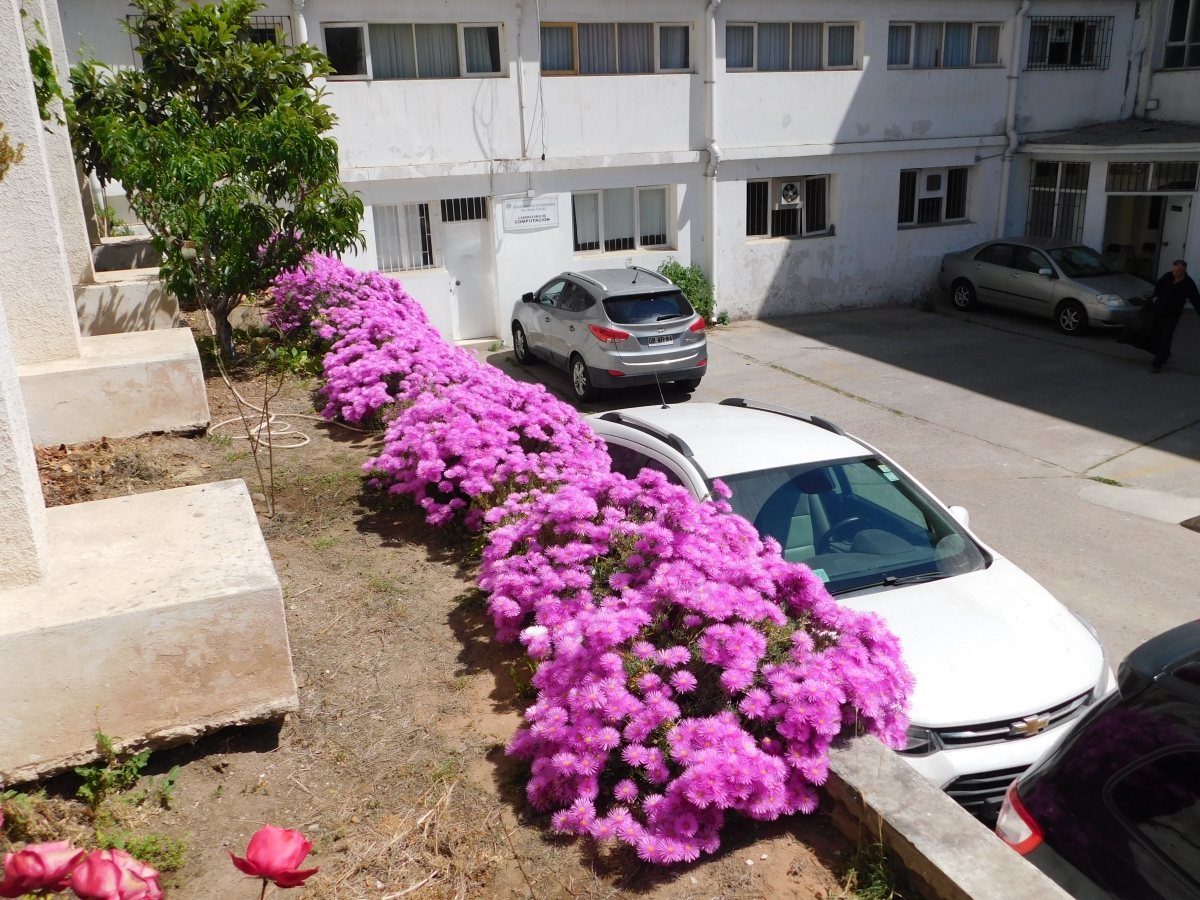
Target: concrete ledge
{"x": 121, "y": 385}
{"x": 161, "y": 618}
{"x": 125, "y": 301}
{"x": 952, "y": 855}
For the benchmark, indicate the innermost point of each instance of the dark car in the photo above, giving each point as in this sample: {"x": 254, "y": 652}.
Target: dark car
{"x": 1113, "y": 813}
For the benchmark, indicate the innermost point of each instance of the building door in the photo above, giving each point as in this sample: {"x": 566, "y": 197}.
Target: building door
{"x": 468, "y": 259}
{"x": 1175, "y": 230}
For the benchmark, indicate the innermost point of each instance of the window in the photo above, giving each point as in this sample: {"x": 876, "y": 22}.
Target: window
{"x": 270, "y": 29}
{"x": 464, "y": 209}
{"x": 621, "y": 219}
{"x": 943, "y": 45}
{"x": 1159, "y": 802}
{"x": 788, "y": 207}
{"x": 406, "y": 50}
{"x": 615, "y": 48}
{"x": 1145, "y": 177}
{"x": 1069, "y": 42}
{"x": 1183, "y": 36}
{"x": 790, "y": 46}
{"x": 404, "y": 238}
{"x": 932, "y": 196}
{"x": 1057, "y": 199}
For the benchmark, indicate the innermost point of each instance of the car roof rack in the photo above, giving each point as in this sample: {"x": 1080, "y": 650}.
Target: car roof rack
{"x": 661, "y": 433}
{"x": 598, "y": 284}
{"x": 661, "y": 277}
{"x": 783, "y": 411}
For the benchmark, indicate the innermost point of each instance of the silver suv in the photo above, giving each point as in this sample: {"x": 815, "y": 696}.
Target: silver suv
{"x": 1049, "y": 277}
{"x": 612, "y": 328}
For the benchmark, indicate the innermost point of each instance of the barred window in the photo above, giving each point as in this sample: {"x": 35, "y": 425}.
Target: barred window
{"x": 1144, "y": 177}
{"x": 758, "y": 208}
{"x": 463, "y": 209}
{"x": 404, "y": 238}
{"x": 270, "y": 29}
{"x": 1057, "y": 200}
{"x": 1183, "y": 36}
{"x": 933, "y": 196}
{"x": 1069, "y": 42}
{"x": 788, "y": 207}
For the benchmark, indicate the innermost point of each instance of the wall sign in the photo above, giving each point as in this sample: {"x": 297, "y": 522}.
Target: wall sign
{"x": 525, "y": 213}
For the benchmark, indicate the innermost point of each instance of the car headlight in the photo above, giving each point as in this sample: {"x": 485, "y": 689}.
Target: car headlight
{"x": 1113, "y": 301}
{"x": 920, "y": 742}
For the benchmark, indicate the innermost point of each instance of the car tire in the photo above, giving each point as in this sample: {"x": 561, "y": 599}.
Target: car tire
{"x": 687, "y": 384}
{"x": 581, "y": 379}
{"x": 521, "y": 351}
{"x": 962, "y": 292}
{"x": 1071, "y": 318}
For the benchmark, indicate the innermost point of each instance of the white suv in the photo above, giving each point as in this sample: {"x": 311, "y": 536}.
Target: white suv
{"x": 1000, "y": 665}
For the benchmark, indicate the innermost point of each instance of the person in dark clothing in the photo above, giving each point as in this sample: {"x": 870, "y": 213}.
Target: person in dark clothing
{"x": 1170, "y": 295}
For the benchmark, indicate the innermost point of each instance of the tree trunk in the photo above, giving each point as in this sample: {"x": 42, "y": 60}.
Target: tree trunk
{"x": 220, "y": 312}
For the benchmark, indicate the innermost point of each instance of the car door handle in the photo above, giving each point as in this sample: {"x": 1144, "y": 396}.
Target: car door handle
{"x": 547, "y": 319}
{"x": 979, "y": 265}
{"x": 572, "y": 327}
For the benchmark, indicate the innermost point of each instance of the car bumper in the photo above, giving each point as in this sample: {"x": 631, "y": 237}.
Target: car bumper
{"x": 602, "y": 379}
{"x": 1107, "y": 317}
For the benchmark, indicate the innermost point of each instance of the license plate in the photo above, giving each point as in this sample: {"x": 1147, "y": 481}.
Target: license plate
{"x": 665, "y": 339}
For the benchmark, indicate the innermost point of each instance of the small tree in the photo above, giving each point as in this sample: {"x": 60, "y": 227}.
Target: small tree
{"x": 220, "y": 143}
{"x": 694, "y": 284}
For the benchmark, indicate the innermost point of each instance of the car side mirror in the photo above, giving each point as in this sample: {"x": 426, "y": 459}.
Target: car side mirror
{"x": 527, "y": 297}
{"x": 961, "y": 516}
{"x": 1048, "y": 273}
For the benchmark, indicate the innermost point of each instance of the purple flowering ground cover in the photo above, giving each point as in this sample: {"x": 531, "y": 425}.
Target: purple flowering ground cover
{"x": 683, "y": 668}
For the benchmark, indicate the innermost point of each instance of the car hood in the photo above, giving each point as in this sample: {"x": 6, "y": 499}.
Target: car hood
{"x": 986, "y": 646}
{"x": 1121, "y": 283}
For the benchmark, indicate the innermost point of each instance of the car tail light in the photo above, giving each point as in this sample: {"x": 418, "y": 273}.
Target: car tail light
{"x": 703, "y": 362}
{"x": 608, "y": 335}
{"x": 1015, "y": 825}
{"x": 698, "y": 325}
{"x": 615, "y": 374}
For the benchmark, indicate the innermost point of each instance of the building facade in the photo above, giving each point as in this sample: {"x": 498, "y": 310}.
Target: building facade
{"x": 807, "y": 155}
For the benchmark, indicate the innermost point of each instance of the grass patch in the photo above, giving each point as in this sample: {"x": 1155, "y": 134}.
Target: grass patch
{"x": 1111, "y": 481}
{"x": 325, "y": 543}
{"x": 162, "y": 851}
{"x": 873, "y": 873}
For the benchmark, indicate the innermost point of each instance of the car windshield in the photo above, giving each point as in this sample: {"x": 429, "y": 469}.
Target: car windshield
{"x": 638, "y": 309}
{"x": 854, "y": 523}
{"x": 1081, "y": 262}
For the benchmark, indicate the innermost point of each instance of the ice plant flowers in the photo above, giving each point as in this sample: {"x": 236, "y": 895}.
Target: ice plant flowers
{"x": 274, "y": 855}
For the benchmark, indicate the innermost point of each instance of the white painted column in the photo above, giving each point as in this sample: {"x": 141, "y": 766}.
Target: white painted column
{"x": 35, "y": 280}
{"x": 299, "y": 26}
{"x": 23, "y": 542}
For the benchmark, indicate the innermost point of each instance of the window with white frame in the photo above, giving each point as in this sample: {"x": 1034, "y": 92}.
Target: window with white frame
{"x": 615, "y": 48}
{"x": 789, "y": 46}
{"x": 933, "y": 196}
{"x": 262, "y": 30}
{"x": 404, "y": 238}
{"x": 396, "y": 50}
{"x": 1069, "y": 42}
{"x": 1151, "y": 177}
{"x": 787, "y": 207}
{"x": 943, "y": 45}
{"x": 1057, "y": 199}
{"x": 617, "y": 219}
{"x": 1182, "y": 50}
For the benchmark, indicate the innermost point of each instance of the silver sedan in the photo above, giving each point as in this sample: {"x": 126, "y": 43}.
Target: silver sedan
{"x": 1057, "y": 279}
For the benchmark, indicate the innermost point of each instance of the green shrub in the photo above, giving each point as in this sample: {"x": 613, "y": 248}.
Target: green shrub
{"x": 162, "y": 851}
{"x": 694, "y": 284}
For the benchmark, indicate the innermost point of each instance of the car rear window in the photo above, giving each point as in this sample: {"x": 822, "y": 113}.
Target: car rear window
{"x": 1160, "y": 802}
{"x": 638, "y": 309}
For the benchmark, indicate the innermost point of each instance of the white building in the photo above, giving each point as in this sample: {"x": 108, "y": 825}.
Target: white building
{"x": 808, "y": 155}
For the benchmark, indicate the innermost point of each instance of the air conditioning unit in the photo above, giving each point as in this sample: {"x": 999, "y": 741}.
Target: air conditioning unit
{"x": 788, "y": 193}
{"x": 931, "y": 183}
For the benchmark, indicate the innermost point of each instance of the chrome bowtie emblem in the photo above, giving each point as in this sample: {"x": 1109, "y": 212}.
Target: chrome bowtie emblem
{"x": 1029, "y": 726}
{"x": 662, "y": 331}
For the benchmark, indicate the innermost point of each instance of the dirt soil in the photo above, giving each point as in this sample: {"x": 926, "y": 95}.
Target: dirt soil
{"x": 394, "y": 765}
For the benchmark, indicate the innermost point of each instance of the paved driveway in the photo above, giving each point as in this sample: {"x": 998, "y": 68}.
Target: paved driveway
{"x": 1000, "y": 414}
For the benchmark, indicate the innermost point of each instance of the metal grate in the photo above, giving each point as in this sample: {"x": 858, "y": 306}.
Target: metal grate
{"x": 270, "y": 29}
{"x": 815, "y": 205}
{"x": 981, "y": 794}
{"x": 785, "y": 222}
{"x": 956, "y": 194}
{"x": 464, "y": 209}
{"x": 999, "y": 732}
{"x": 404, "y": 238}
{"x": 614, "y": 244}
{"x": 908, "y": 197}
{"x": 1069, "y": 42}
{"x": 1143, "y": 177}
{"x": 758, "y": 201}
{"x": 1057, "y": 200}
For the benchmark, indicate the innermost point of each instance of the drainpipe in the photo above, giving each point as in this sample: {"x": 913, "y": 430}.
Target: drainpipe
{"x": 710, "y": 133}
{"x": 1010, "y": 116}
{"x": 521, "y": 79}
{"x": 299, "y": 26}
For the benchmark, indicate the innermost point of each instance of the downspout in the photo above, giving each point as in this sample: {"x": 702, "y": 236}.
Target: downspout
{"x": 299, "y": 26}
{"x": 521, "y": 80}
{"x": 1010, "y": 116}
{"x": 714, "y": 151}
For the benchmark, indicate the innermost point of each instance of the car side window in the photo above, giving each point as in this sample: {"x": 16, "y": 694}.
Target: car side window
{"x": 549, "y": 296}
{"x": 1159, "y": 801}
{"x": 1029, "y": 260}
{"x": 996, "y": 254}
{"x": 573, "y": 299}
{"x": 629, "y": 462}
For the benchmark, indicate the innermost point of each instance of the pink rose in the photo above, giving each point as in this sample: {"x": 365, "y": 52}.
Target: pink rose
{"x": 115, "y": 875}
{"x": 41, "y": 867}
{"x": 274, "y": 854}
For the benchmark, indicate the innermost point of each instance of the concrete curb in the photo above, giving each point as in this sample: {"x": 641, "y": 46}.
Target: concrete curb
{"x": 950, "y": 854}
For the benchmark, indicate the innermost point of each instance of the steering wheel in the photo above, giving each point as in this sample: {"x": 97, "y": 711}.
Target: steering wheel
{"x": 825, "y": 544}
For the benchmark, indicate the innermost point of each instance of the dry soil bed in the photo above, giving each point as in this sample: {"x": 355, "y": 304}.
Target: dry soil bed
{"x": 394, "y": 765}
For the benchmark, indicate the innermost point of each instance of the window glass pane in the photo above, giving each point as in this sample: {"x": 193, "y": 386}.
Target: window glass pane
{"x": 806, "y": 46}
{"x": 1045, "y": 174}
{"x": 618, "y": 219}
{"x": 392, "y": 53}
{"x": 956, "y": 194}
{"x": 996, "y": 255}
{"x": 437, "y": 51}
{"x": 652, "y": 211}
{"x": 841, "y": 46}
{"x": 587, "y": 221}
{"x": 1058, "y": 51}
{"x": 1160, "y": 801}
{"x": 758, "y": 195}
{"x": 772, "y": 46}
{"x": 899, "y": 44}
{"x": 673, "y": 41}
{"x": 928, "y": 45}
{"x": 908, "y": 197}
{"x": 344, "y": 47}
{"x": 597, "y": 48}
{"x": 558, "y": 48}
{"x": 958, "y": 45}
{"x": 929, "y": 210}
{"x": 1173, "y": 58}
{"x": 987, "y": 45}
{"x": 635, "y": 47}
{"x": 482, "y": 48}
{"x": 417, "y": 238}
{"x": 1175, "y": 176}
{"x": 629, "y": 462}
{"x": 815, "y": 219}
{"x": 1029, "y": 260}
{"x": 1193, "y": 55}
{"x": 1075, "y": 176}
{"x": 387, "y": 238}
{"x": 785, "y": 222}
{"x": 739, "y": 46}
{"x": 1127, "y": 176}
{"x": 1179, "y": 16}
{"x": 1194, "y": 34}
{"x": 1039, "y": 43}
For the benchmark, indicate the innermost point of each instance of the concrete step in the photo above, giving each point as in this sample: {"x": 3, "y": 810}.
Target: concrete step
{"x": 124, "y": 301}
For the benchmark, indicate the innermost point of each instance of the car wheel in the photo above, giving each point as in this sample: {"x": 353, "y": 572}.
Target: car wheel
{"x": 688, "y": 384}
{"x": 963, "y": 293}
{"x": 521, "y": 347}
{"x": 581, "y": 380}
{"x": 1071, "y": 317}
